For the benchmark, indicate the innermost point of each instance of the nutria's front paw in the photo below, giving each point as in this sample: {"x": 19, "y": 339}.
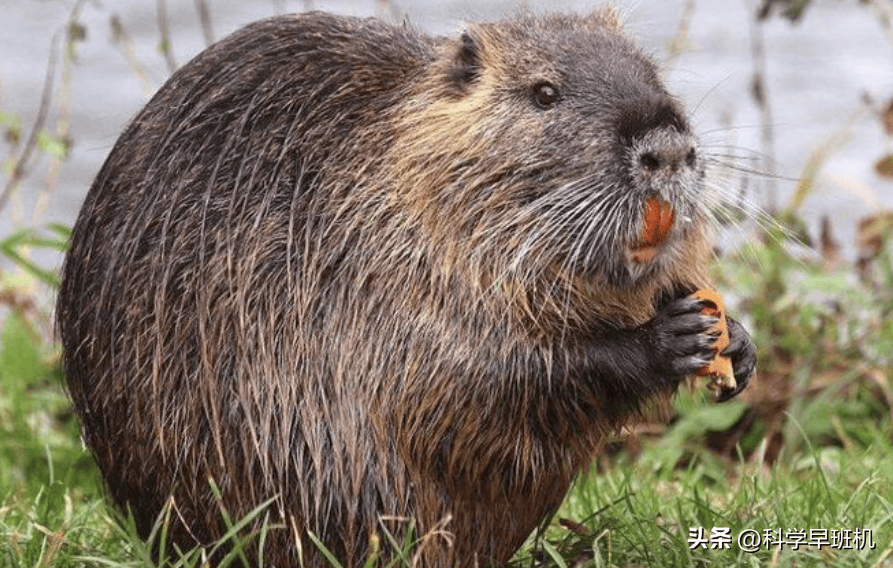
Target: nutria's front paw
{"x": 682, "y": 339}
{"x": 743, "y": 354}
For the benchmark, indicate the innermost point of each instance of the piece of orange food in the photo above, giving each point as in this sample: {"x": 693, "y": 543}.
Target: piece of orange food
{"x": 722, "y": 377}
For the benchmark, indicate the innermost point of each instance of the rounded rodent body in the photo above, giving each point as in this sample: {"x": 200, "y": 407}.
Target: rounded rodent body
{"x": 373, "y": 275}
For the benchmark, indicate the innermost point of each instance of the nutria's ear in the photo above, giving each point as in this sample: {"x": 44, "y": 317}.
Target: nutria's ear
{"x": 466, "y": 63}
{"x": 605, "y": 19}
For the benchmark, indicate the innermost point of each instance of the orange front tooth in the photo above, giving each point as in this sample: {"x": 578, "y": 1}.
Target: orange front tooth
{"x": 658, "y": 219}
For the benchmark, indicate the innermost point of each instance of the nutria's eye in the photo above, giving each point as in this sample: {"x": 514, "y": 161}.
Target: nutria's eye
{"x": 545, "y": 95}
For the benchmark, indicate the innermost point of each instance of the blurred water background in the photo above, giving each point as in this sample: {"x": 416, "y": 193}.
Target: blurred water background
{"x": 825, "y": 80}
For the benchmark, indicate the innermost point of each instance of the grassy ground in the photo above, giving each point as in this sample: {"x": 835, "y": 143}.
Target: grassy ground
{"x": 806, "y": 458}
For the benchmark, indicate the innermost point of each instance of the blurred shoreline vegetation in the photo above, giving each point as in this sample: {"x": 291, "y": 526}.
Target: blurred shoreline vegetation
{"x": 815, "y": 427}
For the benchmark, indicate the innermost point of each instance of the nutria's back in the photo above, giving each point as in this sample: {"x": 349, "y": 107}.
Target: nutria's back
{"x": 371, "y": 274}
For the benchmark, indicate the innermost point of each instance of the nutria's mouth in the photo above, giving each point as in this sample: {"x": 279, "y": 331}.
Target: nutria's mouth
{"x": 657, "y": 225}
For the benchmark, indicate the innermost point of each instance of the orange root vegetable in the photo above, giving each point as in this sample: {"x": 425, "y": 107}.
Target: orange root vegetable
{"x": 722, "y": 377}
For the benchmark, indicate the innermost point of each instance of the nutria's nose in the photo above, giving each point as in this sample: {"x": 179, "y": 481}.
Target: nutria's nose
{"x": 667, "y": 156}
{"x": 654, "y": 133}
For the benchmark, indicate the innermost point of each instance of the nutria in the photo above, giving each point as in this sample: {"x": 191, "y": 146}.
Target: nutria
{"x": 376, "y": 277}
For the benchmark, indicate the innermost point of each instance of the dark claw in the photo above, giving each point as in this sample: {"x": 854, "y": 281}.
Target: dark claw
{"x": 682, "y": 339}
{"x": 744, "y": 359}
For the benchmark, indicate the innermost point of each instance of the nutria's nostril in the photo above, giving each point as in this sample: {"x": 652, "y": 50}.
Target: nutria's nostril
{"x": 691, "y": 158}
{"x": 650, "y": 161}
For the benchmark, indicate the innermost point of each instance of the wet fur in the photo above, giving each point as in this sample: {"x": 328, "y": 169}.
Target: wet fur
{"x": 354, "y": 268}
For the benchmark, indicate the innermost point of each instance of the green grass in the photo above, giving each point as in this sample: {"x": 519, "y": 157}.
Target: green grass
{"x": 645, "y": 517}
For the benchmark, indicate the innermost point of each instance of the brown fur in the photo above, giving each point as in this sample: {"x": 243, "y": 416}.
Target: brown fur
{"x": 355, "y": 269}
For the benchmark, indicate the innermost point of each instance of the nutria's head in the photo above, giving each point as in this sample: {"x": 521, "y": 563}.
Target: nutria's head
{"x": 531, "y": 149}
